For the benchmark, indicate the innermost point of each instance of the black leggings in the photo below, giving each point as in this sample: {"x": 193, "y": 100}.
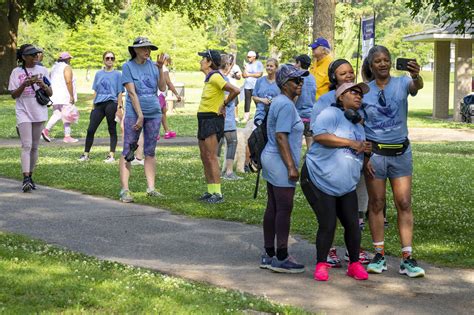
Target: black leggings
{"x": 276, "y": 221}
{"x": 327, "y": 209}
{"x": 104, "y": 109}
{"x": 248, "y": 99}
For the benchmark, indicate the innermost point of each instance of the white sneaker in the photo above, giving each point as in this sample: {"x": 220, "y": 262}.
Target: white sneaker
{"x": 109, "y": 159}
{"x": 138, "y": 162}
{"x": 83, "y": 158}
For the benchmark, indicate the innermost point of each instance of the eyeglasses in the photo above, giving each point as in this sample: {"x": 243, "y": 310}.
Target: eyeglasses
{"x": 297, "y": 80}
{"x": 355, "y": 92}
{"x": 110, "y": 58}
{"x": 382, "y": 101}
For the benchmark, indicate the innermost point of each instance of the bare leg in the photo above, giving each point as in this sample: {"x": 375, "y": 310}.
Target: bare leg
{"x": 164, "y": 120}
{"x": 309, "y": 142}
{"x": 125, "y": 169}
{"x": 208, "y": 148}
{"x": 376, "y": 190}
{"x": 150, "y": 171}
{"x": 401, "y": 188}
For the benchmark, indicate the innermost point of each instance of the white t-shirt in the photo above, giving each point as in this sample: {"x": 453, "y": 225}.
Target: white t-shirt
{"x": 27, "y": 108}
{"x": 252, "y": 68}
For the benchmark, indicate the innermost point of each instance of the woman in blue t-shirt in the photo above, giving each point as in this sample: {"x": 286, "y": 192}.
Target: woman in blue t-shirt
{"x": 108, "y": 90}
{"x": 265, "y": 90}
{"x": 142, "y": 78}
{"x": 280, "y": 160}
{"x": 330, "y": 175}
{"x": 386, "y": 109}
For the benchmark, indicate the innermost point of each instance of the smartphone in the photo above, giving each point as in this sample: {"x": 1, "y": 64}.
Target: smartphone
{"x": 402, "y": 63}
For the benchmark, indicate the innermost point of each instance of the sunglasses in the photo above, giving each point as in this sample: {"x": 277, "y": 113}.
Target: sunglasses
{"x": 297, "y": 80}
{"x": 110, "y": 58}
{"x": 355, "y": 92}
{"x": 32, "y": 55}
{"x": 382, "y": 101}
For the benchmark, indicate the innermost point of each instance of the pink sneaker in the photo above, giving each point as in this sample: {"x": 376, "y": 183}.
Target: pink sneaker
{"x": 321, "y": 272}
{"x": 69, "y": 139}
{"x": 357, "y": 271}
{"x": 45, "y": 135}
{"x": 170, "y": 135}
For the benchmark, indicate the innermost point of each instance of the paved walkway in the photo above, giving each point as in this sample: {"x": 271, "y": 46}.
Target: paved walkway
{"x": 221, "y": 253}
{"x": 416, "y": 135}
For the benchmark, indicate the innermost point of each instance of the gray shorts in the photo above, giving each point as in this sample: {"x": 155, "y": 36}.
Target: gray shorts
{"x": 393, "y": 166}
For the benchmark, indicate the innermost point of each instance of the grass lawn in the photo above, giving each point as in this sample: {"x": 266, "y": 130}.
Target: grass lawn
{"x": 184, "y": 121}
{"x": 442, "y": 194}
{"x": 40, "y": 278}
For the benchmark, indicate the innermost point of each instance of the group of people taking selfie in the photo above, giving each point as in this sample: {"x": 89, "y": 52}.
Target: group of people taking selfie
{"x": 355, "y": 135}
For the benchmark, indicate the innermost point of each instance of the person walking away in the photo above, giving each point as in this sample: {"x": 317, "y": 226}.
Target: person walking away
{"x": 108, "y": 90}
{"x": 211, "y": 121}
{"x": 25, "y": 79}
{"x": 230, "y": 125}
{"x": 319, "y": 69}
{"x": 305, "y": 102}
{"x": 385, "y": 124}
{"x": 280, "y": 159}
{"x": 169, "y": 134}
{"x": 63, "y": 84}
{"x": 253, "y": 70}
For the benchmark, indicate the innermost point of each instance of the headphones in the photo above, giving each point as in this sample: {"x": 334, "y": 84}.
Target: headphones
{"x": 350, "y": 114}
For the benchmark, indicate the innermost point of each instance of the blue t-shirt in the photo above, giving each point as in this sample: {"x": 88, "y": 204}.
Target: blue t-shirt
{"x": 254, "y": 67}
{"x": 387, "y": 124}
{"x": 263, "y": 88}
{"x": 305, "y": 102}
{"x": 229, "y": 123}
{"x": 323, "y": 102}
{"x": 282, "y": 117}
{"x": 107, "y": 85}
{"x": 145, "y": 77}
{"x": 335, "y": 171}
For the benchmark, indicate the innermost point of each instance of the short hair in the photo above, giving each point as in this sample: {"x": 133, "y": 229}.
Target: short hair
{"x": 367, "y": 73}
{"x": 225, "y": 61}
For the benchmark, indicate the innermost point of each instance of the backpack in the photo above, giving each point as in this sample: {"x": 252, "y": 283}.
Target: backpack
{"x": 257, "y": 141}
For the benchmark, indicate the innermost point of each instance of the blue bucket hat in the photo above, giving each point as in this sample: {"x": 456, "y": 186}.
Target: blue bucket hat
{"x": 320, "y": 41}
{"x": 287, "y": 72}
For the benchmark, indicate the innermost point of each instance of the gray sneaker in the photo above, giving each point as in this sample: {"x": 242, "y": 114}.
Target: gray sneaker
{"x": 83, "y": 158}
{"x": 126, "y": 196}
{"x": 215, "y": 198}
{"x": 231, "y": 176}
{"x": 154, "y": 193}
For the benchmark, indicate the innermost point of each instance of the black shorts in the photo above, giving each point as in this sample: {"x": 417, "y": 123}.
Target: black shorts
{"x": 210, "y": 124}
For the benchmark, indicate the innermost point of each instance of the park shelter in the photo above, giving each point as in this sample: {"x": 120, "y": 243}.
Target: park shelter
{"x": 443, "y": 37}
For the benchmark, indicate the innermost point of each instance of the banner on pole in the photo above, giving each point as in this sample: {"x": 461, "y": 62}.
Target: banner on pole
{"x": 368, "y": 35}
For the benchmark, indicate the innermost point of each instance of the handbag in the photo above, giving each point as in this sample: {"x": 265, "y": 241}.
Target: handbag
{"x": 41, "y": 97}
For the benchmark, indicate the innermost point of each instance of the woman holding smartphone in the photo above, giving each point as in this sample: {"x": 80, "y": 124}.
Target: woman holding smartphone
{"x": 30, "y": 115}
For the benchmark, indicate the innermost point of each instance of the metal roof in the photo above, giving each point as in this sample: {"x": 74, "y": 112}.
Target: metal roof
{"x": 446, "y": 33}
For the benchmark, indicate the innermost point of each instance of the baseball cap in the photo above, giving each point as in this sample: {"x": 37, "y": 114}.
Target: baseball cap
{"x": 251, "y": 54}
{"x": 65, "y": 55}
{"x": 214, "y": 55}
{"x": 304, "y": 60}
{"x": 349, "y": 86}
{"x": 30, "y": 50}
{"x": 287, "y": 72}
{"x": 320, "y": 41}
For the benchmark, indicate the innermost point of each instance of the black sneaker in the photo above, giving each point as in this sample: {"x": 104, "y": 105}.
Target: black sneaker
{"x": 215, "y": 198}
{"x": 33, "y": 186}
{"x": 26, "y": 187}
{"x": 205, "y": 196}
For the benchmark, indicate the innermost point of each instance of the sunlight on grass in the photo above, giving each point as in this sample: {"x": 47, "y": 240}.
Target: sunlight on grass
{"x": 442, "y": 193}
{"x": 40, "y": 278}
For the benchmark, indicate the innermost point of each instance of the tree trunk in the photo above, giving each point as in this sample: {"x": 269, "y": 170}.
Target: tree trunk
{"x": 324, "y": 20}
{"x": 9, "y": 19}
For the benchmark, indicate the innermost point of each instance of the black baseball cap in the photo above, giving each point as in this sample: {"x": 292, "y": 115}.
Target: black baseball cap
{"x": 30, "y": 50}
{"x": 304, "y": 60}
{"x": 213, "y": 55}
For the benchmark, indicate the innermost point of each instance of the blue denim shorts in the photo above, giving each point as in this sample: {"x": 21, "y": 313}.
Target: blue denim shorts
{"x": 393, "y": 166}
